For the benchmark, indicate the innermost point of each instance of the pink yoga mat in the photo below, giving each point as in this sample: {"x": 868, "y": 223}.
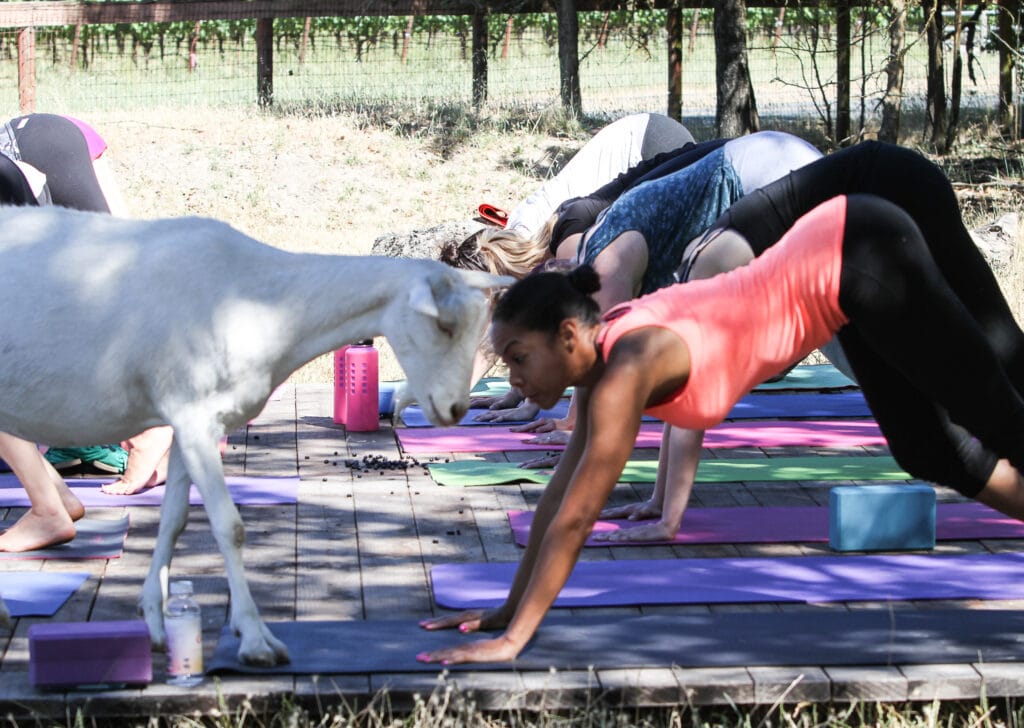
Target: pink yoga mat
{"x": 767, "y": 433}
{"x": 799, "y": 524}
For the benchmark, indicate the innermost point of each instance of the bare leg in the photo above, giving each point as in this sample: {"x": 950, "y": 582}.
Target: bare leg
{"x": 1004, "y": 490}
{"x": 50, "y": 519}
{"x": 148, "y": 454}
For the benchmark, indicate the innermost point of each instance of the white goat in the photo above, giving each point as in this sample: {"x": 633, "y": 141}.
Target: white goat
{"x": 112, "y": 326}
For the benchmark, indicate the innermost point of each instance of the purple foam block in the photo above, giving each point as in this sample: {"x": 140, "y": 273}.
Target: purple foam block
{"x": 89, "y": 654}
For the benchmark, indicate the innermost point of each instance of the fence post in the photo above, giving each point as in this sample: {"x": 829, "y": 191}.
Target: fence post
{"x": 674, "y": 27}
{"x": 27, "y": 70}
{"x": 842, "y": 72}
{"x": 479, "y": 58}
{"x": 265, "y": 61}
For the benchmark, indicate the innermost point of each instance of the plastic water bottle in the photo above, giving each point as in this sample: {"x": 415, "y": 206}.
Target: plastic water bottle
{"x": 340, "y": 385}
{"x": 362, "y": 398}
{"x": 183, "y": 624}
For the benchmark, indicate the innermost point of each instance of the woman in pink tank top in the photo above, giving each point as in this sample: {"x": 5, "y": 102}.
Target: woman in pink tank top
{"x": 881, "y": 283}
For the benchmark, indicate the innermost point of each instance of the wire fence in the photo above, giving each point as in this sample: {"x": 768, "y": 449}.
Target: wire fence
{"x": 333, "y": 61}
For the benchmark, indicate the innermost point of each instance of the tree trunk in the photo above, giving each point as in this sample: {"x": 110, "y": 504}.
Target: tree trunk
{"x": 892, "y": 101}
{"x": 736, "y": 108}
{"x": 568, "y": 57}
{"x": 957, "y": 78}
{"x": 936, "y": 90}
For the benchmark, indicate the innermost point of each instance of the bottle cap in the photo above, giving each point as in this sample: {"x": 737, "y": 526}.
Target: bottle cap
{"x": 181, "y": 587}
{"x": 365, "y": 342}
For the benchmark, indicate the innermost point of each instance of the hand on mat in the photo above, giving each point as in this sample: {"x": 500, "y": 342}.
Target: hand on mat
{"x": 555, "y": 437}
{"x": 545, "y": 424}
{"x": 655, "y": 531}
{"x": 468, "y": 621}
{"x": 505, "y": 401}
{"x": 549, "y": 460}
{"x": 499, "y": 649}
{"x": 633, "y": 511}
{"x": 525, "y": 411}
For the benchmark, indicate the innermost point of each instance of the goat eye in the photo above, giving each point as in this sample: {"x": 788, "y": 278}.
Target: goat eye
{"x": 446, "y": 328}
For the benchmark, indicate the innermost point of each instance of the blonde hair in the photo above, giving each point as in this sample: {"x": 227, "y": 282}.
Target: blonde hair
{"x": 501, "y": 251}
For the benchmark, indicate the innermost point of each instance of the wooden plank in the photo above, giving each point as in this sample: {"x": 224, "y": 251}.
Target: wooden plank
{"x": 640, "y": 687}
{"x": 790, "y": 684}
{"x": 1001, "y": 679}
{"x": 559, "y": 689}
{"x": 59, "y": 12}
{"x": 869, "y": 683}
{"x": 941, "y": 682}
{"x": 715, "y": 685}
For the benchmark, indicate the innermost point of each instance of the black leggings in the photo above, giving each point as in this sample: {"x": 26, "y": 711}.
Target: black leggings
{"x": 920, "y": 354}
{"x": 56, "y": 147}
{"x": 907, "y": 179}
{"x": 14, "y": 188}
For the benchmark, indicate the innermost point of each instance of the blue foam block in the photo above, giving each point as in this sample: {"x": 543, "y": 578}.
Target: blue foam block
{"x": 881, "y": 517}
{"x": 386, "y": 397}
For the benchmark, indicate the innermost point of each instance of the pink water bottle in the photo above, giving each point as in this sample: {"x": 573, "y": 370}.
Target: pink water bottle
{"x": 362, "y": 399}
{"x": 340, "y": 385}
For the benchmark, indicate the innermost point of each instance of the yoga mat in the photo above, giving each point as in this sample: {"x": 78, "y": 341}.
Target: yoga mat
{"x": 37, "y": 593}
{"x": 751, "y": 407}
{"x": 803, "y": 376}
{"x": 244, "y": 490}
{"x": 810, "y": 376}
{"x": 797, "y": 524}
{"x": 95, "y": 538}
{"x": 827, "y": 637}
{"x": 881, "y": 467}
{"x": 770, "y": 433}
{"x": 811, "y": 579}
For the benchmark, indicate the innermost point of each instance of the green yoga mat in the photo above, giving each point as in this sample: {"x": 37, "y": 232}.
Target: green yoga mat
{"x": 804, "y": 376}
{"x": 882, "y": 467}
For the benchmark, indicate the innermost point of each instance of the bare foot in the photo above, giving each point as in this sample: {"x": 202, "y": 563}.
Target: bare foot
{"x": 123, "y": 487}
{"x": 34, "y": 531}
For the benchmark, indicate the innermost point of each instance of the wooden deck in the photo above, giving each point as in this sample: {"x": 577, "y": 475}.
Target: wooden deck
{"x": 360, "y": 546}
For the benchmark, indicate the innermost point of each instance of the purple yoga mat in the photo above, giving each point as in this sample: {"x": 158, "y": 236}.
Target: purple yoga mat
{"x": 813, "y": 579}
{"x": 38, "y": 593}
{"x": 798, "y": 524}
{"x": 245, "y": 490}
{"x": 768, "y": 433}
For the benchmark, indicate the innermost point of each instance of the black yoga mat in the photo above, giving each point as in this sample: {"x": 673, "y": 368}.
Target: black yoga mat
{"x": 807, "y": 637}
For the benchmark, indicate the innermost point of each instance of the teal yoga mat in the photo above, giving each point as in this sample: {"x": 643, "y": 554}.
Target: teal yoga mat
{"x": 881, "y": 467}
{"x": 804, "y": 376}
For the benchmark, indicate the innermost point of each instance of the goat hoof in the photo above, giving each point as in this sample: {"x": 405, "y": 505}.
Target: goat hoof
{"x": 263, "y": 650}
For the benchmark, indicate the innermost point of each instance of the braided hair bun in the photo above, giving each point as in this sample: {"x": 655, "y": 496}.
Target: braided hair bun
{"x": 584, "y": 279}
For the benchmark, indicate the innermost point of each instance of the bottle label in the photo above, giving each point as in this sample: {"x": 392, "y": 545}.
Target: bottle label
{"x": 184, "y": 645}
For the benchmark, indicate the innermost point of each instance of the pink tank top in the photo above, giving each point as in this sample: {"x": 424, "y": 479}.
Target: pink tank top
{"x": 747, "y": 325}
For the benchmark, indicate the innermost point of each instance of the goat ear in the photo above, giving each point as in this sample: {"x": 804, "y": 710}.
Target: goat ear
{"x": 480, "y": 279}
{"x": 421, "y": 298}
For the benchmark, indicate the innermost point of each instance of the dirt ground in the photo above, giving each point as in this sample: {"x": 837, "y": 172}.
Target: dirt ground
{"x": 334, "y": 183}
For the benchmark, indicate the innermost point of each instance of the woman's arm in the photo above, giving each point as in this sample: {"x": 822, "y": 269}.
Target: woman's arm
{"x": 547, "y": 507}
{"x": 644, "y": 367}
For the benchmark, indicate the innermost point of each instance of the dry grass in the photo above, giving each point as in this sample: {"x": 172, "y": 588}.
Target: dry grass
{"x": 331, "y": 181}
